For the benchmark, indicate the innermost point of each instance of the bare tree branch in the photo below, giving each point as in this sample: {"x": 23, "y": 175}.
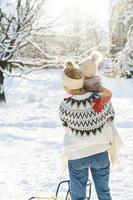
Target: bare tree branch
{"x": 15, "y": 29}
{"x": 40, "y": 50}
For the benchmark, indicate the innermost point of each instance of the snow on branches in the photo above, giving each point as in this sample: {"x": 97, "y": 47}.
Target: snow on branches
{"x": 123, "y": 63}
{"x": 122, "y": 12}
{"x": 15, "y": 26}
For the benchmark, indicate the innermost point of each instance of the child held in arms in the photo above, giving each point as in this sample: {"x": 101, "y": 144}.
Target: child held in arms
{"x": 92, "y": 81}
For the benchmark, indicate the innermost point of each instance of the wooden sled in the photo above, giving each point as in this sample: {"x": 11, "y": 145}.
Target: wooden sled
{"x": 67, "y": 195}
{"x": 45, "y": 198}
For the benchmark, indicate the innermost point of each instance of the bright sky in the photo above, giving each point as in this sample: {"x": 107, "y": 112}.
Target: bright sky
{"x": 98, "y": 7}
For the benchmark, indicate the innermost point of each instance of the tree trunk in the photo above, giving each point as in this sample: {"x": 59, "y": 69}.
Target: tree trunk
{"x": 2, "y": 93}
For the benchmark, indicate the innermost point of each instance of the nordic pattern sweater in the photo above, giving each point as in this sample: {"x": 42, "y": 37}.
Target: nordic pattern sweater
{"x": 86, "y": 132}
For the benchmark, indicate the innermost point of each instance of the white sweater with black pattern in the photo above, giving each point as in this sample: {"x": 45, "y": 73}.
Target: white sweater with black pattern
{"x": 86, "y": 132}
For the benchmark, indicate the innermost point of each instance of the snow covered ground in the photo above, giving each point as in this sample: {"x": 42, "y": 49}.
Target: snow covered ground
{"x": 31, "y": 137}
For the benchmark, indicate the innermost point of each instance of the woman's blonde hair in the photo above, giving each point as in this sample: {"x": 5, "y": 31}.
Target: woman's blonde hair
{"x": 71, "y": 71}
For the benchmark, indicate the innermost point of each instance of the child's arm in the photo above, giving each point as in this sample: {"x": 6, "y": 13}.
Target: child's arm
{"x": 106, "y": 95}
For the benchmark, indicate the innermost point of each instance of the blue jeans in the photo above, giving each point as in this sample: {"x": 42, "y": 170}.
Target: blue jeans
{"x": 79, "y": 171}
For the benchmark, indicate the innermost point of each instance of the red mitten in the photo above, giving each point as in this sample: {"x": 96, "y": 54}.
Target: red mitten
{"x": 97, "y": 105}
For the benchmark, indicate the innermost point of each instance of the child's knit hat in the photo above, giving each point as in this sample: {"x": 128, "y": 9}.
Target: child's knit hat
{"x": 72, "y": 77}
{"x": 89, "y": 67}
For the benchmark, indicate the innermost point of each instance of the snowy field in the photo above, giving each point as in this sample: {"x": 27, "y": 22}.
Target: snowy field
{"x": 31, "y": 137}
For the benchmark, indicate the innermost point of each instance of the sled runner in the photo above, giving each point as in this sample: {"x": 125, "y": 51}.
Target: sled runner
{"x": 67, "y": 195}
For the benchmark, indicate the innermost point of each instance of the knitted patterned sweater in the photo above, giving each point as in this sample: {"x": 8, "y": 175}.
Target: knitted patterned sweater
{"x": 86, "y": 132}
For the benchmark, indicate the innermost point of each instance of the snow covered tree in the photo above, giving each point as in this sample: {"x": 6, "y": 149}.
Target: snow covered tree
{"x": 123, "y": 63}
{"x": 16, "y": 25}
{"x": 120, "y": 20}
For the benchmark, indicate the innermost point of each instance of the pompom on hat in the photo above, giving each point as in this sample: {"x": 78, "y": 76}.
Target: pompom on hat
{"x": 72, "y": 77}
{"x": 89, "y": 67}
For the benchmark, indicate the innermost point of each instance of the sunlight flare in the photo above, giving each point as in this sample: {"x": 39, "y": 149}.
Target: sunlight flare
{"x": 94, "y": 7}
